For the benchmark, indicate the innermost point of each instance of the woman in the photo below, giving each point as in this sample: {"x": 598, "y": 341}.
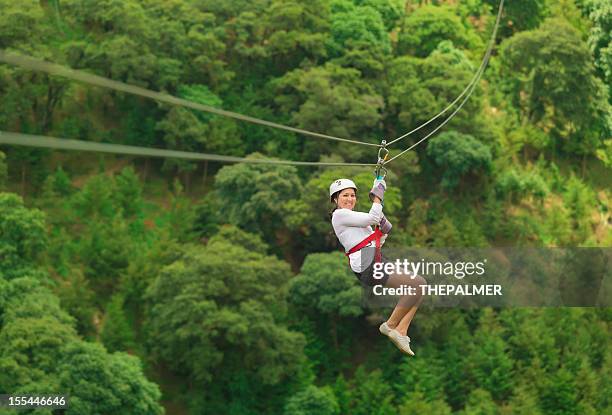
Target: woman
{"x": 354, "y": 230}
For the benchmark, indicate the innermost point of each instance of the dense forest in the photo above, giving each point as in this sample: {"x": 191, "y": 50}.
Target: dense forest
{"x": 146, "y": 286}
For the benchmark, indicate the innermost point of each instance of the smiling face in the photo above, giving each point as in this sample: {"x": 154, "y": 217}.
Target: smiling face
{"x": 347, "y": 199}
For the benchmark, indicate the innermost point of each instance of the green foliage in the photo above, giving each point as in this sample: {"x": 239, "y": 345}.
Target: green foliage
{"x": 600, "y": 14}
{"x": 427, "y": 26}
{"x": 207, "y": 216}
{"x": 39, "y": 352}
{"x": 116, "y": 334}
{"x": 578, "y": 199}
{"x": 188, "y": 130}
{"x": 420, "y": 88}
{"x": 320, "y": 288}
{"x": 109, "y": 383}
{"x": 489, "y": 364}
{"x": 513, "y": 184}
{"x": 559, "y": 396}
{"x": 95, "y": 199}
{"x": 357, "y": 24}
{"x": 332, "y": 99}
{"x": 526, "y": 15}
{"x": 460, "y": 155}
{"x": 312, "y": 401}
{"x": 252, "y": 195}
{"x": 415, "y": 403}
{"x": 33, "y": 332}
{"x": 57, "y": 185}
{"x": 480, "y": 403}
{"x": 77, "y": 298}
{"x": 144, "y": 262}
{"x": 215, "y": 304}
{"x": 104, "y": 254}
{"x": 22, "y": 235}
{"x": 3, "y": 171}
{"x": 372, "y": 395}
{"x": 297, "y": 33}
{"x": 544, "y": 72}
{"x": 128, "y": 193}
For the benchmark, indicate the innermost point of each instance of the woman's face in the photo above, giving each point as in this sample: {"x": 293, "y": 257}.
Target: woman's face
{"x": 347, "y": 199}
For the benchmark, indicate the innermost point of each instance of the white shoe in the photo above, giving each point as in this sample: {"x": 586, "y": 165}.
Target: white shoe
{"x": 384, "y": 329}
{"x": 402, "y": 342}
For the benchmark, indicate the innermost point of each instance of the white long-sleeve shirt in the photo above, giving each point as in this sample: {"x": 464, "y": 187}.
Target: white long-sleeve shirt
{"x": 353, "y": 227}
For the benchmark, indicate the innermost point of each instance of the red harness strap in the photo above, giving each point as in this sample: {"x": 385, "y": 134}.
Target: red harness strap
{"x": 374, "y": 236}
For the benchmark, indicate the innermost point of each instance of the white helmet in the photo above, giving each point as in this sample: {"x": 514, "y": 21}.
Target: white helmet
{"x": 338, "y": 185}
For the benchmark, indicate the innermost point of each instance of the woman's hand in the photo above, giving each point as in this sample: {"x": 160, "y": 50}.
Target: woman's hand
{"x": 378, "y": 190}
{"x": 385, "y": 226}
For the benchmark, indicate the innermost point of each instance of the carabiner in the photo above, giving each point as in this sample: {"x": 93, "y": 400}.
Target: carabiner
{"x": 383, "y": 147}
{"x": 381, "y": 160}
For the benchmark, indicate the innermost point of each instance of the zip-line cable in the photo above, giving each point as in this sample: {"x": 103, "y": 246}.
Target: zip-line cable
{"x": 34, "y": 64}
{"x": 467, "y": 97}
{"x": 473, "y": 81}
{"x": 80, "y": 76}
{"x": 78, "y": 145}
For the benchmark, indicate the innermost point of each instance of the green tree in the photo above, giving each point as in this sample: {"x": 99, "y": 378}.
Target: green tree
{"x": 526, "y": 15}
{"x": 105, "y": 253}
{"x": 3, "y": 171}
{"x": 416, "y": 403}
{"x": 297, "y": 33}
{"x": 489, "y": 364}
{"x": 372, "y": 395}
{"x": 95, "y": 200}
{"x": 544, "y": 72}
{"x": 391, "y": 11}
{"x": 253, "y": 196}
{"x": 524, "y": 401}
{"x": 112, "y": 48}
{"x": 578, "y": 198}
{"x": 99, "y": 382}
{"x": 217, "y": 302}
{"x": 559, "y": 393}
{"x": 312, "y": 401}
{"x": 332, "y": 99}
{"x": 77, "y": 298}
{"x": 460, "y": 155}
{"x": 128, "y": 193}
{"x": 421, "y": 381}
{"x": 116, "y": 333}
{"x": 514, "y": 184}
{"x": 33, "y": 333}
{"x": 427, "y": 26}
{"x": 39, "y": 352}
{"x": 420, "y": 88}
{"x": 22, "y": 236}
{"x": 600, "y": 38}
{"x": 480, "y": 403}
{"x": 320, "y": 290}
{"x": 187, "y": 130}
{"x": 357, "y": 23}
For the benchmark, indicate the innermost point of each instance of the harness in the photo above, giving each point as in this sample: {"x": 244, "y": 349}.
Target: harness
{"x": 372, "y": 237}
